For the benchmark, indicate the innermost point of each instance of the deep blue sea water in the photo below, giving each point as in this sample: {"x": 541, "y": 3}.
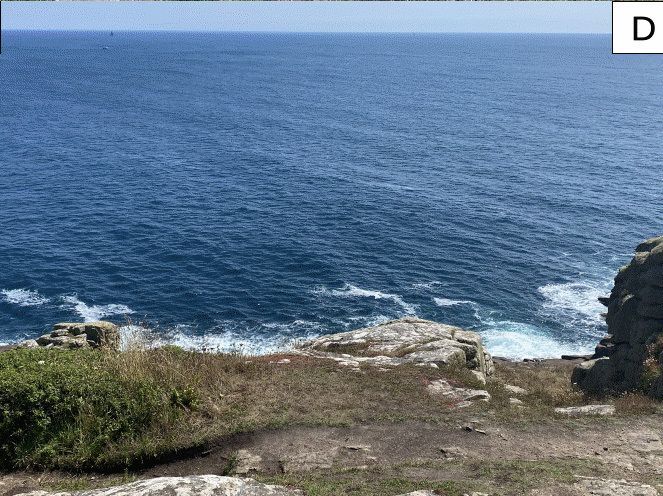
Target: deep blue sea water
{"x": 249, "y": 189}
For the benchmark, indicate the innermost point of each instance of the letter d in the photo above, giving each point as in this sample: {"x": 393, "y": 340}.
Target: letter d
{"x": 652, "y": 28}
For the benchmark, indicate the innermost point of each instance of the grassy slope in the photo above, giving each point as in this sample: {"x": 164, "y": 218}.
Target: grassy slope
{"x": 88, "y": 410}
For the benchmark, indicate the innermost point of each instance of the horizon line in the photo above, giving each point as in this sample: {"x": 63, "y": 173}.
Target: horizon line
{"x": 210, "y": 31}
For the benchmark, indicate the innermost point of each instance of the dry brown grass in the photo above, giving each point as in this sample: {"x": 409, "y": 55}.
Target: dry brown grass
{"x": 224, "y": 394}
{"x": 548, "y": 385}
{"x": 630, "y": 404}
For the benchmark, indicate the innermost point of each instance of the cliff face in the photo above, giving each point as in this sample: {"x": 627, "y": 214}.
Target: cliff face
{"x": 631, "y": 356}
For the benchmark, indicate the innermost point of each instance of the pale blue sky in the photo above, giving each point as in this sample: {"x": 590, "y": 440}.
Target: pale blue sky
{"x": 551, "y": 17}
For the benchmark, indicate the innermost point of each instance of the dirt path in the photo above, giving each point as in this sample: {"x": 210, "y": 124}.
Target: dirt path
{"x": 475, "y": 452}
{"x": 631, "y": 445}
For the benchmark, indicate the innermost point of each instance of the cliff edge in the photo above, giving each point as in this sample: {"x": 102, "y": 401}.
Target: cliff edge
{"x": 630, "y": 357}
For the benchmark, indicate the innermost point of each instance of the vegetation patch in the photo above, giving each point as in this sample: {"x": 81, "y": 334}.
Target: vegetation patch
{"x": 362, "y": 483}
{"x": 107, "y": 411}
{"x": 63, "y": 409}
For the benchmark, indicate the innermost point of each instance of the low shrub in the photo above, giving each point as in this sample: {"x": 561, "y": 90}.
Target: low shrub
{"x": 63, "y": 409}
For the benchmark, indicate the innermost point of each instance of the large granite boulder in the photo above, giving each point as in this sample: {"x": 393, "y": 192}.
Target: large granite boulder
{"x": 210, "y": 485}
{"x": 407, "y": 340}
{"x": 631, "y": 356}
{"x": 193, "y": 485}
{"x": 74, "y": 335}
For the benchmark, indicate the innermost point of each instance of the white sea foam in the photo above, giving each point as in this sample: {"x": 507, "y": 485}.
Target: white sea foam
{"x": 91, "y": 313}
{"x": 517, "y": 340}
{"x": 426, "y": 285}
{"x": 351, "y": 291}
{"x": 230, "y": 337}
{"x": 24, "y": 297}
{"x": 446, "y": 302}
{"x": 575, "y": 303}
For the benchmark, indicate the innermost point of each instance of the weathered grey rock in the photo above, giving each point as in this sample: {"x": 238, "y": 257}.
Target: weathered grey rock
{"x": 208, "y": 485}
{"x": 459, "y": 395}
{"x": 592, "y": 486}
{"x": 594, "y": 376}
{"x": 515, "y": 390}
{"x": 481, "y": 378}
{"x": 28, "y": 343}
{"x": 420, "y": 493}
{"x": 407, "y": 340}
{"x": 627, "y": 358}
{"x": 448, "y": 355}
{"x": 75, "y": 335}
{"x": 60, "y": 340}
{"x": 578, "y": 411}
{"x": 100, "y": 333}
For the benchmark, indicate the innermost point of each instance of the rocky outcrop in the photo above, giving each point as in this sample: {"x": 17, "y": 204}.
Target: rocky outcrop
{"x": 74, "y": 335}
{"x": 407, "y": 340}
{"x": 631, "y": 356}
{"x": 210, "y": 485}
{"x": 195, "y": 485}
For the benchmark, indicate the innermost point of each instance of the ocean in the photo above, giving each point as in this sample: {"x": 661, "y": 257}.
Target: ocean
{"x": 241, "y": 191}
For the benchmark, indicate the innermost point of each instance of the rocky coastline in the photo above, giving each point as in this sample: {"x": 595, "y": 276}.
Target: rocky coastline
{"x": 437, "y": 384}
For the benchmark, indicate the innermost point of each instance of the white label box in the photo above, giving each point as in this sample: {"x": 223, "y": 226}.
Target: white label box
{"x": 637, "y": 27}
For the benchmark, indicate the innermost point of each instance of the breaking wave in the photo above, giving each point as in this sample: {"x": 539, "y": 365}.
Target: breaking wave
{"x": 517, "y": 340}
{"x": 351, "y": 291}
{"x": 228, "y": 337}
{"x": 446, "y": 302}
{"x": 426, "y": 285}
{"x": 91, "y": 313}
{"x": 24, "y": 297}
{"x": 575, "y": 303}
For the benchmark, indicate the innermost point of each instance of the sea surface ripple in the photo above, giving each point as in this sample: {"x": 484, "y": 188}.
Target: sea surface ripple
{"x": 247, "y": 190}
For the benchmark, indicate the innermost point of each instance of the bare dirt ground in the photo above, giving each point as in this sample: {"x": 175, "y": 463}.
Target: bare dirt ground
{"x": 473, "y": 454}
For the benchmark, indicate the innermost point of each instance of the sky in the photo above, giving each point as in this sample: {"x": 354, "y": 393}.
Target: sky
{"x": 546, "y": 17}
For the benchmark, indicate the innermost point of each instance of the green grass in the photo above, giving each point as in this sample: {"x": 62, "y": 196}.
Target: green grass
{"x": 362, "y": 483}
{"x": 59, "y": 408}
{"x": 92, "y": 410}
{"x": 505, "y": 478}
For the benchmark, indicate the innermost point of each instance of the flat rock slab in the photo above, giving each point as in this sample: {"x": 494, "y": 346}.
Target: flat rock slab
{"x": 420, "y": 493}
{"x": 590, "y": 486}
{"x": 199, "y": 485}
{"x": 517, "y": 390}
{"x": 577, "y": 411}
{"x": 442, "y": 388}
{"x": 406, "y": 340}
{"x": 208, "y": 485}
